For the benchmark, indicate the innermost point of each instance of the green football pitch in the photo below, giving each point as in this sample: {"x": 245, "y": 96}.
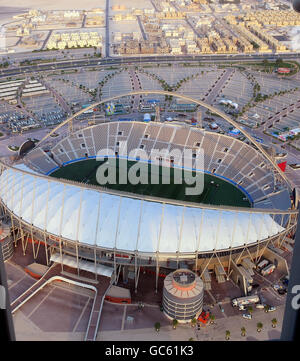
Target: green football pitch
{"x": 216, "y": 191}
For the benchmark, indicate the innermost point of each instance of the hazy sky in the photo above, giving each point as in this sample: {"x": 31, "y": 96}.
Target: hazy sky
{"x": 51, "y": 4}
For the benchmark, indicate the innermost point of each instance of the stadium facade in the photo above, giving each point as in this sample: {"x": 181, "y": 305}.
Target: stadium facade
{"x": 106, "y": 231}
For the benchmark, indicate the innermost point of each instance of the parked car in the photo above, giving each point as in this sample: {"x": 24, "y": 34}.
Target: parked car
{"x": 247, "y": 316}
{"x": 282, "y": 291}
{"x": 271, "y": 309}
{"x": 277, "y": 287}
{"x": 285, "y": 280}
{"x": 260, "y": 305}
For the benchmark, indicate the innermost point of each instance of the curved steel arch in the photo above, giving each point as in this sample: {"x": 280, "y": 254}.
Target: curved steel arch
{"x": 199, "y": 102}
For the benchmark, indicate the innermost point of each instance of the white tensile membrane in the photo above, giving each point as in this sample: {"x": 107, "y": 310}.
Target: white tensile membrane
{"x": 95, "y": 217}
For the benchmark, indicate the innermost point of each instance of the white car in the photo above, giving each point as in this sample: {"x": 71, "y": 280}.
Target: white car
{"x": 260, "y": 306}
{"x": 248, "y": 316}
{"x": 272, "y": 308}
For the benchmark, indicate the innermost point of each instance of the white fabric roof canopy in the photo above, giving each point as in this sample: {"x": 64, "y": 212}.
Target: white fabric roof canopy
{"x": 84, "y": 265}
{"x": 96, "y": 218}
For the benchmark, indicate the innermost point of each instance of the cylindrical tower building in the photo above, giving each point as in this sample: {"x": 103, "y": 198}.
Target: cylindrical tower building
{"x": 182, "y": 295}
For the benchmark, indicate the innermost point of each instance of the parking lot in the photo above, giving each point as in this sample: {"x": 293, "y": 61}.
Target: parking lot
{"x": 46, "y": 110}
{"x": 71, "y": 92}
{"x": 238, "y": 89}
{"x": 117, "y": 85}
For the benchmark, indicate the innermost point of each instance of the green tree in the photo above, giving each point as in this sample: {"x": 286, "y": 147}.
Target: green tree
{"x": 194, "y": 322}
{"x": 243, "y": 331}
{"x": 157, "y": 326}
{"x": 265, "y": 62}
{"x": 227, "y": 334}
{"x": 174, "y": 323}
{"x": 274, "y": 322}
{"x": 212, "y": 319}
{"x": 259, "y": 326}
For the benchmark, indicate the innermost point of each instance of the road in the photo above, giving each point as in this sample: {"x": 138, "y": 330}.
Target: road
{"x": 282, "y": 113}
{"x": 62, "y": 102}
{"x": 71, "y": 63}
{"x": 136, "y": 85}
{"x": 65, "y": 64}
{"x": 46, "y": 40}
{"x": 217, "y": 87}
{"x": 141, "y": 27}
{"x": 154, "y": 5}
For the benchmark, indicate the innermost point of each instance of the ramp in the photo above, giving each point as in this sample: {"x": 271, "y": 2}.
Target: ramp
{"x": 248, "y": 265}
{"x": 220, "y": 273}
{"x": 94, "y": 321}
{"x": 206, "y": 280}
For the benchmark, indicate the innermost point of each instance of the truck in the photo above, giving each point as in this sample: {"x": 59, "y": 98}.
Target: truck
{"x": 213, "y": 126}
{"x": 204, "y": 317}
{"x": 147, "y": 117}
{"x": 241, "y": 301}
{"x": 262, "y": 264}
{"x": 267, "y": 270}
{"x": 88, "y": 111}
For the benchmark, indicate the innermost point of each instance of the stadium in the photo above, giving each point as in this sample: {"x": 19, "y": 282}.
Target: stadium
{"x": 107, "y": 231}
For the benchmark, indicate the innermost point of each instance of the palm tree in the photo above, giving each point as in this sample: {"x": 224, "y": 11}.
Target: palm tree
{"x": 175, "y": 323}
{"x": 193, "y": 322}
{"x": 191, "y": 339}
{"x": 157, "y": 326}
{"x": 250, "y": 309}
{"x": 267, "y": 307}
{"x": 227, "y": 334}
{"x": 212, "y": 319}
{"x": 259, "y": 326}
{"x": 243, "y": 330}
{"x": 274, "y": 322}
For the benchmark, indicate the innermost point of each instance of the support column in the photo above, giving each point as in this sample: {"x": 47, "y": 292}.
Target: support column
{"x": 61, "y": 255}
{"x": 157, "y": 272}
{"x": 95, "y": 261}
{"x": 135, "y": 272}
{"x": 46, "y": 249}
{"x": 125, "y": 274}
{"x": 77, "y": 259}
{"x": 32, "y": 243}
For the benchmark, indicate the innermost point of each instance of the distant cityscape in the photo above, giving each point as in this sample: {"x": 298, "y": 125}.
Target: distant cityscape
{"x": 159, "y": 27}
